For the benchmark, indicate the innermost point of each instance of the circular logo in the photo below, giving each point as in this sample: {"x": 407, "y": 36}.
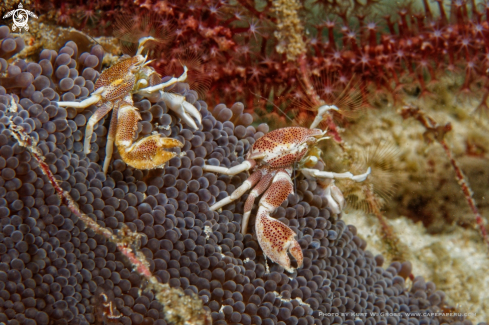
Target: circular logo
{"x": 20, "y": 17}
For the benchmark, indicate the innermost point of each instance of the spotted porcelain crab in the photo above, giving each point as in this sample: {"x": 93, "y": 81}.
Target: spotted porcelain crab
{"x": 113, "y": 92}
{"x": 271, "y": 160}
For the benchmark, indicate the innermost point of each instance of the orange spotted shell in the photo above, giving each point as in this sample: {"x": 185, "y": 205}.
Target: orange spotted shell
{"x": 278, "y": 145}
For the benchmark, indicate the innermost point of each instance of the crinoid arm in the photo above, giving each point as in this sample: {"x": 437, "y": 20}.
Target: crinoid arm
{"x": 314, "y": 173}
{"x": 147, "y": 153}
{"x": 275, "y": 238}
{"x": 244, "y": 166}
{"x": 93, "y": 99}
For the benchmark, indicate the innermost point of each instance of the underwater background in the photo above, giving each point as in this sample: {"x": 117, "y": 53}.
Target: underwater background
{"x": 410, "y": 79}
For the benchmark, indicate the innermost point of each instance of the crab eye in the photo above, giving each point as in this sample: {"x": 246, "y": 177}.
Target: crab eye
{"x": 135, "y": 69}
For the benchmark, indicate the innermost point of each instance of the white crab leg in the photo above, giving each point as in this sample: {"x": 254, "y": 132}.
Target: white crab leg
{"x": 321, "y": 111}
{"x": 94, "y": 119}
{"x": 149, "y": 90}
{"x": 336, "y": 200}
{"x": 261, "y": 187}
{"x": 314, "y": 173}
{"x": 141, "y": 43}
{"x": 93, "y": 99}
{"x": 244, "y": 166}
{"x": 109, "y": 147}
{"x": 179, "y": 105}
{"x": 249, "y": 183}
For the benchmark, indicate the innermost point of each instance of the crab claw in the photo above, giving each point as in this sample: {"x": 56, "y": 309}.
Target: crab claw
{"x": 147, "y": 153}
{"x": 275, "y": 238}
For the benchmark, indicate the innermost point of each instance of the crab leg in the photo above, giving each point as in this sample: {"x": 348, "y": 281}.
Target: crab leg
{"x": 244, "y": 166}
{"x": 321, "y": 111}
{"x": 94, "y": 119}
{"x": 109, "y": 148}
{"x": 257, "y": 191}
{"x": 175, "y": 102}
{"x": 149, "y": 90}
{"x": 336, "y": 200}
{"x": 275, "y": 237}
{"x": 249, "y": 183}
{"x": 141, "y": 43}
{"x": 93, "y": 99}
{"x": 179, "y": 105}
{"x": 314, "y": 173}
{"x": 147, "y": 153}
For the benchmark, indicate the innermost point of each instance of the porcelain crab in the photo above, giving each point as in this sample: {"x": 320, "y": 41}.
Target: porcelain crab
{"x": 271, "y": 160}
{"x": 113, "y": 92}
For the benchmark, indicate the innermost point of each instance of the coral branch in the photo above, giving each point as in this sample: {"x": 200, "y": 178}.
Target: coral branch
{"x": 250, "y": 7}
{"x": 437, "y": 132}
{"x": 290, "y": 30}
{"x": 179, "y": 308}
{"x": 388, "y": 234}
{"x": 313, "y": 97}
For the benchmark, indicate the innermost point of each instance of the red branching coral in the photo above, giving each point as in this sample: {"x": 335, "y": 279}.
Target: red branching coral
{"x": 248, "y": 49}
